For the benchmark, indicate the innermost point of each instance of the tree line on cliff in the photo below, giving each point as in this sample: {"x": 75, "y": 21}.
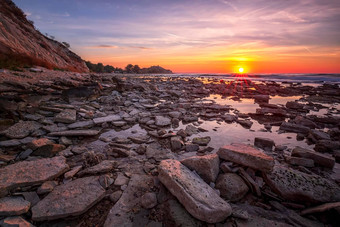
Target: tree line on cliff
{"x": 101, "y": 68}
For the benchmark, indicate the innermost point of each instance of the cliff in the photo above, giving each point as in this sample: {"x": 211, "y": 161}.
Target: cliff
{"x": 22, "y": 45}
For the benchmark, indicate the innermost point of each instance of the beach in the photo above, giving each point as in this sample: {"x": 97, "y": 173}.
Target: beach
{"x": 171, "y": 150}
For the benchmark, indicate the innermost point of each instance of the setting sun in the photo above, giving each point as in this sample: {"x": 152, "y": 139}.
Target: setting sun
{"x": 240, "y": 70}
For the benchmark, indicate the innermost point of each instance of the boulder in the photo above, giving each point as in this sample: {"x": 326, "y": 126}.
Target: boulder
{"x": 320, "y": 159}
{"x": 231, "y": 186}
{"x": 70, "y": 199}
{"x": 301, "y": 187}
{"x": 206, "y": 166}
{"x": 246, "y": 155}
{"x": 264, "y": 143}
{"x": 198, "y": 198}
{"x": 11, "y": 206}
{"x": 28, "y": 173}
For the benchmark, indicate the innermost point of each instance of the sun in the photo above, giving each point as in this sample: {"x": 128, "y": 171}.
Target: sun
{"x": 241, "y": 70}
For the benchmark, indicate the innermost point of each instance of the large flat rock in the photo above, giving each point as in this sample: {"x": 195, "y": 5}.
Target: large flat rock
{"x": 301, "y": 187}
{"x": 198, "y": 198}
{"x": 22, "y": 129}
{"x": 31, "y": 172}
{"x": 247, "y": 155}
{"x": 71, "y": 199}
{"x": 121, "y": 214}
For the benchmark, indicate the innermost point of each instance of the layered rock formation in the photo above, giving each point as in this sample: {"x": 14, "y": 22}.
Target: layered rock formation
{"x": 22, "y": 45}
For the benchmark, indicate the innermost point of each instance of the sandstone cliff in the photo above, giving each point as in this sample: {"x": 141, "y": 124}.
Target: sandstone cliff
{"x": 22, "y": 45}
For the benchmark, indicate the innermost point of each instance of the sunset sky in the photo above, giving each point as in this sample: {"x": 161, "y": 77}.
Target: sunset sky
{"x": 204, "y": 36}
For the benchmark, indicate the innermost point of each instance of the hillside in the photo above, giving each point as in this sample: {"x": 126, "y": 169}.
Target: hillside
{"x": 22, "y": 45}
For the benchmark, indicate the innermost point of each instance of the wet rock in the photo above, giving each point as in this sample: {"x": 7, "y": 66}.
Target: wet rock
{"x": 264, "y": 143}
{"x": 22, "y": 129}
{"x": 162, "y": 121}
{"x": 306, "y": 162}
{"x": 48, "y": 150}
{"x": 75, "y": 133}
{"x": 230, "y": 118}
{"x": 14, "y": 222}
{"x": 81, "y": 124}
{"x": 206, "y": 166}
{"x": 67, "y": 116}
{"x": 320, "y": 159}
{"x": 176, "y": 143}
{"x": 301, "y": 187}
{"x": 199, "y": 199}
{"x": 231, "y": 186}
{"x": 47, "y": 187}
{"x": 327, "y": 146}
{"x": 71, "y": 199}
{"x": 247, "y": 156}
{"x": 245, "y": 123}
{"x": 294, "y": 105}
{"x": 315, "y": 135}
{"x": 191, "y": 130}
{"x": 202, "y": 141}
{"x": 110, "y": 118}
{"x": 28, "y": 173}
{"x": 103, "y": 167}
{"x": 188, "y": 119}
{"x": 190, "y": 147}
{"x": 122, "y": 213}
{"x": 11, "y": 206}
{"x": 149, "y": 200}
{"x": 290, "y": 127}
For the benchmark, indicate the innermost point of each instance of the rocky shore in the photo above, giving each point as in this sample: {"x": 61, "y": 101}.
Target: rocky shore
{"x": 141, "y": 150}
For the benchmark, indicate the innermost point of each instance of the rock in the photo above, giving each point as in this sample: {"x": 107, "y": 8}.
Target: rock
{"x": 230, "y": 118}
{"x": 245, "y": 123}
{"x": 37, "y": 143}
{"x": 199, "y": 199}
{"x": 182, "y": 133}
{"x": 47, "y": 187}
{"x": 7, "y": 158}
{"x": 72, "y": 172}
{"x": 32, "y": 197}
{"x": 300, "y": 120}
{"x": 109, "y": 118}
{"x": 124, "y": 211}
{"x": 190, "y": 147}
{"x": 67, "y": 116}
{"x": 175, "y": 114}
{"x": 315, "y": 135}
{"x": 10, "y": 143}
{"x": 162, "y": 121}
{"x": 254, "y": 187}
{"x": 16, "y": 221}
{"x": 261, "y": 98}
{"x": 306, "y": 162}
{"x": 121, "y": 180}
{"x": 231, "y": 186}
{"x": 176, "y": 143}
{"x": 290, "y": 127}
{"x": 28, "y": 173}
{"x": 11, "y": 206}
{"x": 105, "y": 181}
{"x": 71, "y": 199}
{"x": 103, "y": 167}
{"x": 178, "y": 215}
{"x": 22, "y": 129}
{"x": 75, "y": 133}
{"x": 65, "y": 141}
{"x": 294, "y": 105}
{"x": 278, "y": 111}
{"x": 114, "y": 197}
{"x": 191, "y": 130}
{"x": 327, "y": 146}
{"x": 206, "y": 166}
{"x": 301, "y": 187}
{"x": 320, "y": 159}
{"x": 202, "y": 141}
{"x": 264, "y": 143}
{"x": 120, "y": 151}
{"x": 48, "y": 150}
{"x": 247, "y": 156}
{"x": 81, "y": 124}
{"x": 149, "y": 200}
{"x": 320, "y": 208}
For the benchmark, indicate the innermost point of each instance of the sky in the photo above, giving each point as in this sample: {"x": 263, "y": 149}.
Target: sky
{"x": 203, "y": 36}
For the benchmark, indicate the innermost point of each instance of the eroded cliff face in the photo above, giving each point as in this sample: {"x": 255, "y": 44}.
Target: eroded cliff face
{"x": 22, "y": 45}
